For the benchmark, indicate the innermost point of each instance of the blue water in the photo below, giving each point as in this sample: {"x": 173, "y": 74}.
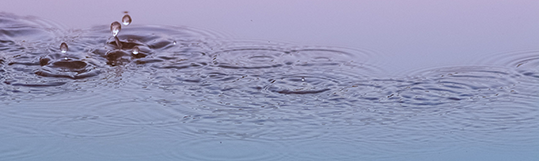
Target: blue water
{"x": 196, "y": 94}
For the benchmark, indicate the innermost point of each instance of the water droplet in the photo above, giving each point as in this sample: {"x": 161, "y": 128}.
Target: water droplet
{"x": 63, "y": 47}
{"x": 118, "y": 43}
{"x": 303, "y": 79}
{"x": 136, "y": 50}
{"x": 126, "y": 20}
{"x": 174, "y": 43}
{"x": 115, "y": 28}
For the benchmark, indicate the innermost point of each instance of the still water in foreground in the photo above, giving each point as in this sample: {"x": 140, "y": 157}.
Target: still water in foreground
{"x": 176, "y": 93}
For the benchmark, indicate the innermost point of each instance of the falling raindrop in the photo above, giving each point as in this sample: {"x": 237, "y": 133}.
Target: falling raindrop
{"x": 136, "y": 50}
{"x": 126, "y": 20}
{"x": 115, "y": 28}
{"x": 63, "y": 47}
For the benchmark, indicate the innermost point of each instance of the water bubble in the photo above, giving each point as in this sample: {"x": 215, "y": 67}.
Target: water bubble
{"x": 136, "y": 50}
{"x": 63, "y": 47}
{"x": 126, "y": 20}
{"x": 115, "y": 28}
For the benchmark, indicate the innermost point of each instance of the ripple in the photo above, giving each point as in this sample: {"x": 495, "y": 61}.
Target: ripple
{"x": 524, "y": 63}
{"x": 333, "y": 150}
{"x": 227, "y": 149}
{"x": 15, "y": 29}
{"x": 28, "y": 55}
{"x": 511, "y": 122}
{"x": 159, "y": 39}
{"x": 250, "y": 125}
{"x": 21, "y": 148}
{"x": 525, "y": 59}
{"x": 247, "y": 100}
{"x": 86, "y": 126}
{"x": 262, "y": 87}
{"x": 32, "y": 63}
{"x": 263, "y": 69}
{"x": 22, "y": 139}
{"x": 456, "y": 85}
{"x": 443, "y": 106}
{"x": 136, "y": 112}
{"x": 144, "y": 145}
{"x": 57, "y": 105}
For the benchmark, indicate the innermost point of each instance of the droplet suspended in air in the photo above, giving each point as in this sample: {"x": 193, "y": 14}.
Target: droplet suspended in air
{"x": 63, "y": 47}
{"x": 115, "y": 28}
{"x": 174, "y": 43}
{"x": 126, "y": 20}
{"x": 136, "y": 50}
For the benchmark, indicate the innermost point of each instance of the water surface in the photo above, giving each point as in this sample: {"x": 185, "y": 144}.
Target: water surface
{"x": 194, "y": 94}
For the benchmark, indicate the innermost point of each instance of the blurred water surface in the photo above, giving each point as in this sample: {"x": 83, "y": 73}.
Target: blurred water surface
{"x": 164, "y": 91}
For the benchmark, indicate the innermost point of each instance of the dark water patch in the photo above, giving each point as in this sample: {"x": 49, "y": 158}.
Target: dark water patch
{"x": 302, "y": 92}
{"x": 69, "y": 64}
{"x": 75, "y": 74}
{"x": 47, "y": 84}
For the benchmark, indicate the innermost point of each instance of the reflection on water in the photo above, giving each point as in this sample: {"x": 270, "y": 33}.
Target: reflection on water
{"x": 178, "y": 93}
